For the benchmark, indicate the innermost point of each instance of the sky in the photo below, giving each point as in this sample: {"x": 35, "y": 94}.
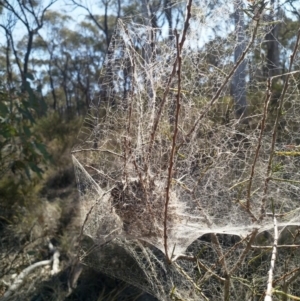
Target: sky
{"x": 61, "y": 6}
{"x": 78, "y": 14}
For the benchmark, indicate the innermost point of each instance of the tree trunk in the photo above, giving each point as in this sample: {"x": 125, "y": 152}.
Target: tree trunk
{"x": 26, "y": 58}
{"x": 150, "y": 22}
{"x": 238, "y": 84}
{"x": 52, "y": 89}
{"x": 273, "y": 67}
{"x": 168, "y": 12}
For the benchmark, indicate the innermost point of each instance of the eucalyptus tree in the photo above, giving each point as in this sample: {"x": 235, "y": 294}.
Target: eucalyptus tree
{"x": 293, "y": 8}
{"x": 272, "y": 43}
{"x": 46, "y": 49}
{"x": 106, "y": 21}
{"x": 169, "y": 6}
{"x": 30, "y": 16}
{"x": 70, "y": 61}
{"x": 238, "y": 85}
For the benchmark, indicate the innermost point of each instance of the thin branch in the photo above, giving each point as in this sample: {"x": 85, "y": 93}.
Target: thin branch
{"x": 219, "y": 251}
{"x": 104, "y": 28}
{"x": 269, "y": 291}
{"x": 209, "y": 271}
{"x": 101, "y": 195}
{"x": 100, "y": 172}
{"x": 276, "y": 214}
{"x": 55, "y": 258}
{"x": 218, "y": 248}
{"x": 75, "y": 273}
{"x": 239, "y": 183}
{"x": 19, "y": 280}
{"x": 274, "y": 133}
{"x": 295, "y": 10}
{"x": 262, "y": 128}
{"x": 191, "y": 280}
{"x": 179, "y": 46}
{"x": 105, "y": 23}
{"x": 245, "y": 252}
{"x": 285, "y": 180}
{"x": 96, "y": 150}
{"x": 9, "y": 34}
{"x": 10, "y": 7}
{"x": 90, "y": 15}
{"x": 287, "y": 153}
{"x": 173, "y": 149}
{"x": 295, "y": 271}
{"x": 87, "y": 218}
{"x": 230, "y": 74}
{"x": 292, "y": 297}
{"x": 206, "y": 275}
{"x": 184, "y": 257}
{"x": 167, "y": 89}
{"x": 22, "y": 6}
{"x": 279, "y": 246}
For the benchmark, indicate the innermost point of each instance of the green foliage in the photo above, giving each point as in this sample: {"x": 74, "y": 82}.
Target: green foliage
{"x": 22, "y": 152}
{"x": 60, "y": 134}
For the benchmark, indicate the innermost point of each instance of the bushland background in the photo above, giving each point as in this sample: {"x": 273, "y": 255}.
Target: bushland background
{"x": 50, "y": 64}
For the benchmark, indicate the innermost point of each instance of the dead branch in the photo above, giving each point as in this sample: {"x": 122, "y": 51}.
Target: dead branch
{"x": 75, "y": 273}
{"x": 21, "y": 277}
{"x": 191, "y": 280}
{"x": 167, "y": 89}
{"x": 274, "y": 133}
{"x": 269, "y": 292}
{"x": 55, "y": 259}
{"x": 96, "y": 150}
{"x": 292, "y": 297}
{"x": 230, "y": 74}
{"x": 279, "y": 246}
{"x": 179, "y": 46}
{"x": 262, "y": 128}
{"x": 245, "y": 251}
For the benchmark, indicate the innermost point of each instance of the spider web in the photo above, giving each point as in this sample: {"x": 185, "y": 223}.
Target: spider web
{"x": 122, "y": 164}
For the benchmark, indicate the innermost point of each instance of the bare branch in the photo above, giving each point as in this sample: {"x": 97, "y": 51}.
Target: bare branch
{"x": 171, "y": 76}
{"x": 274, "y": 133}
{"x": 269, "y": 292}
{"x": 179, "y": 46}
{"x": 278, "y": 246}
{"x": 19, "y": 280}
{"x": 96, "y": 150}
{"x": 262, "y": 128}
{"x": 228, "y": 77}
{"x": 191, "y": 280}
